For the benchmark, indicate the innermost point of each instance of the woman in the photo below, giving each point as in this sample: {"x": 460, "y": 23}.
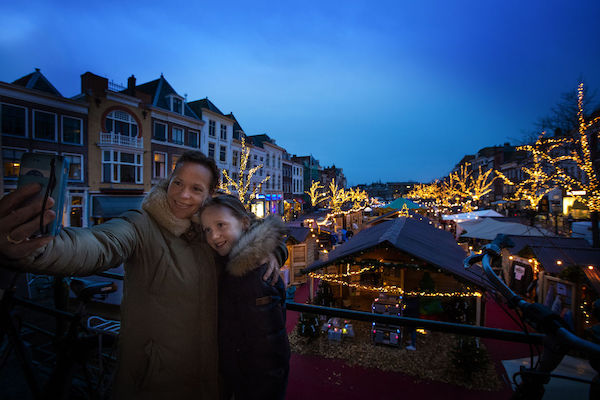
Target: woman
{"x": 168, "y": 339}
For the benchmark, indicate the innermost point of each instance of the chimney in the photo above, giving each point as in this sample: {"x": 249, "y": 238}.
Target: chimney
{"x": 93, "y": 84}
{"x": 131, "y": 85}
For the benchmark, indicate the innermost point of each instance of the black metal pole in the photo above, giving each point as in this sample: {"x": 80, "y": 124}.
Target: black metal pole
{"x": 447, "y": 327}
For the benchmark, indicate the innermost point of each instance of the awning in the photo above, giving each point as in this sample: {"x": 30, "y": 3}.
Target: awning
{"x": 113, "y": 206}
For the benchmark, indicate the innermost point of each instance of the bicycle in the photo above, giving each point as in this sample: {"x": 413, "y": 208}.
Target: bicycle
{"x": 81, "y": 361}
{"x": 558, "y": 338}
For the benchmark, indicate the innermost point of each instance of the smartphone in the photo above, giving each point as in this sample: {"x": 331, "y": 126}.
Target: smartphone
{"x": 51, "y": 172}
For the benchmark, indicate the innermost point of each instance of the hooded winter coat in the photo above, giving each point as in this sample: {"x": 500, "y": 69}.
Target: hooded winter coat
{"x": 168, "y": 338}
{"x": 254, "y": 351}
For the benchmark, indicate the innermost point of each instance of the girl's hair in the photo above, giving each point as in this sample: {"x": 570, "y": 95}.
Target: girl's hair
{"x": 197, "y": 157}
{"x": 233, "y": 204}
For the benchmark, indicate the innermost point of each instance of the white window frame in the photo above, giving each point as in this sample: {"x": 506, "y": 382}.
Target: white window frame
{"x": 26, "y": 120}
{"x": 214, "y": 148}
{"x": 164, "y": 169}
{"x": 182, "y": 131}
{"x": 223, "y": 131}
{"x": 62, "y": 130}
{"x": 222, "y": 153}
{"x": 172, "y": 104}
{"x": 138, "y": 165}
{"x": 55, "y": 126}
{"x": 194, "y": 133}
{"x": 131, "y": 121}
{"x": 234, "y": 158}
{"x": 81, "y": 164}
{"x": 212, "y": 127}
{"x": 154, "y": 131}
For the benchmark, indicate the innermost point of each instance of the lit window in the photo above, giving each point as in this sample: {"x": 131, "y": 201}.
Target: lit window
{"x": 160, "y": 164}
{"x": 11, "y": 159}
{"x": 174, "y": 159}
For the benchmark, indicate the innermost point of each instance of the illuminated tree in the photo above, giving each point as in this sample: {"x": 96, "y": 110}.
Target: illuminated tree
{"x": 580, "y": 152}
{"x": 337, "y": 197}
{"x": 539, "y": 183}
{"x": 480, "y": 185}
{"x": 359, "y": 198}
{"x": 315, "y": 196}
{"x": 242, "y": 185}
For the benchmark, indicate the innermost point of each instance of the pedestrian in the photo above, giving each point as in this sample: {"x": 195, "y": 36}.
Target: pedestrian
{"x": 168, "y": 337}
{"x": 254, "y": 351}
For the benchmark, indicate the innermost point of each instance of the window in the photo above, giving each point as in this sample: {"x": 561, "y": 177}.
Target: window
{"x": 174, "y": 159}
{"x": 160, "y": 131}
{"x": 222, "y": 153}
{"x": 121, "y": 167}
{"x": 223, "y": 132}
{"x": 44, "y": 125}
{"x": 14, "y": 120}
{"x": 159, "y": 165}
{"x": 121, "y": 123}
{"x": 176, "y": 105}
{"x": 75, "y": 167}
{"x": 177, "y": 135}
{"x": 71, "y": 130}
{"x": 76, "y": 213}
{"x": 193, "y": 139}
{"x": 211, "y": 150}
{"x": 212, "y": 127}
{"x": 234, "y": 176}
{"x": 234, "y": 158}
{"x": 11, "y": 159}
{"x": 268, "y": 159}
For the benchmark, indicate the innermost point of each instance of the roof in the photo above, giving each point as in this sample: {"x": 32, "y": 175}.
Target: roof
{"x": 522, "y": 241}
{"x": 206, "y": 104}
{"x": 489, "y": 228}
{"x": 548, "y": 256}
{"x": 417, "y": 238}
{"x": 400, "y": 202}
{"x": 472, "y": 215}
{"x": 160, "y": 90}
{"x": 37, "y": 81}
{"x": 393, "y": 214}
{"x": 298, "y": 233}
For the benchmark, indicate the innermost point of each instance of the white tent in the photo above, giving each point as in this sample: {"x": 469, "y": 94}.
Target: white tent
{"x": 473, "y": 215}
{"x": 488, "y": 228}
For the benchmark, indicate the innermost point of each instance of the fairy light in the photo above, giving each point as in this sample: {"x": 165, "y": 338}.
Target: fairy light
{"x": 558, "y": 262}
{"x": 579, "y": 152}
{"x": 242, "y": 185}
{"x": 315, "y": 196}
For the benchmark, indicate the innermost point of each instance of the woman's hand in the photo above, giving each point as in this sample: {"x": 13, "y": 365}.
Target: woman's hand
{"x": 272, "y": 274}
{"x": 19, "y": 219}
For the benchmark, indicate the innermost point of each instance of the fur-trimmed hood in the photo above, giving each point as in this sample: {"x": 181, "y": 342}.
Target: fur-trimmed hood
{"x": 155, "y": 203}
{"x": 254, "y": 245}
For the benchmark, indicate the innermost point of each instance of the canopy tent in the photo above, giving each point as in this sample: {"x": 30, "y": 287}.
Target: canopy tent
{"x": 489, "y": 228}
{"x": 471, "y": 215}
{"x": 400, "y": 202}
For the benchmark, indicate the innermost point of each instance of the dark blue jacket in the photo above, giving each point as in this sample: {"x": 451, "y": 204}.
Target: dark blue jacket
{"x": 254, "y": 351}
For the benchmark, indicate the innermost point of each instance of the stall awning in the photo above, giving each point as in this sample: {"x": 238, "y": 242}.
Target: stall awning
{"x": 113, "y": 206}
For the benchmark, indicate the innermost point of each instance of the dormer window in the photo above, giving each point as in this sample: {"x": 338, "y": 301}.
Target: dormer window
{"x": 176, "y": 104}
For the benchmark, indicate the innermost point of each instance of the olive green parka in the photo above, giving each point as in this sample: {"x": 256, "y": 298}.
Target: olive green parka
{"x": 168, "y": 340}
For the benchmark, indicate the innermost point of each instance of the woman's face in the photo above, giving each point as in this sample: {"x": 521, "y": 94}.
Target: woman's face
{"x": 222, "y": 228}
{"x": 188, "y": 189}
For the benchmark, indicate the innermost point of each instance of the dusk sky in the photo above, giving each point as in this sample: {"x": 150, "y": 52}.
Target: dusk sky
{"x": 386, "y": 90}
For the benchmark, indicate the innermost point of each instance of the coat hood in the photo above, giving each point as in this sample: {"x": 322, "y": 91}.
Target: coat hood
{"x": 263, "y": 238}
{"x": 155, "y": 203}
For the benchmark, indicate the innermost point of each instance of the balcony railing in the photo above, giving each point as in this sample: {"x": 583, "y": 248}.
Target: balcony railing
{"x": 109, "y": 138}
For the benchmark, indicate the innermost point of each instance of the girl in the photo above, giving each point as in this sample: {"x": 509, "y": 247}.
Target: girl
{"x": 253, "y": 345}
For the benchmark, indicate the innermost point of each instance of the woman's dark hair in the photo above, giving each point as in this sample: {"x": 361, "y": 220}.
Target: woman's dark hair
{"x": 197, "y": 157}
{"x": 233, "y": 204}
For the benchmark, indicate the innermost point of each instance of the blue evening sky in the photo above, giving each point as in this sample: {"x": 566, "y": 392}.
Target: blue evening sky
{"x": 387, "y": 90}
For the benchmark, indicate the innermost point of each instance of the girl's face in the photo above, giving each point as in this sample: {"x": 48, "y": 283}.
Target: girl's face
{"x": 222, "y": 228}
{"x": 188, "y": 189}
